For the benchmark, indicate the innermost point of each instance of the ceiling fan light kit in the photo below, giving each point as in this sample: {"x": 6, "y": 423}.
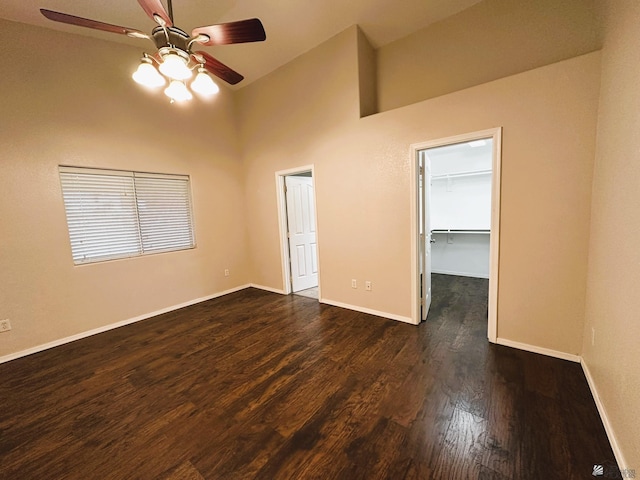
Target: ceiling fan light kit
{"x": 203, "y": 84}
{"x": 174, "y": 64}
{"x": 178, "y": 91}
{"x": 174, "y": 61}
{"x": 147, "y": 75}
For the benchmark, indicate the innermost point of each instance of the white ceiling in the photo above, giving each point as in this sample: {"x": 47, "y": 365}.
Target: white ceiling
{"x": 292, "y": 26}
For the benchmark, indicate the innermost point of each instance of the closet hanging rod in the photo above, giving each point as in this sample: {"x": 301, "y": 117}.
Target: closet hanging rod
{"x": 451, "y": 230}
{"x": 462, "y": 174}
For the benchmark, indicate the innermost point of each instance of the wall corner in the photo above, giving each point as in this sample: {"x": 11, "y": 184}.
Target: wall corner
{"x": 367, "y": 75}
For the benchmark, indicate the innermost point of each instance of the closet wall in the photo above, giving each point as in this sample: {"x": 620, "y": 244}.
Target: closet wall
{"x": 460, "y": 208}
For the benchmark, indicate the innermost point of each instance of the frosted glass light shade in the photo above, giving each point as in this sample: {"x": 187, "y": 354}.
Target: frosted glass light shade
{"x": 175, "y": 67}
{"x": 178, "y": 91}
{"x": 148, "y": 76}
{"x": 204, "y": 85}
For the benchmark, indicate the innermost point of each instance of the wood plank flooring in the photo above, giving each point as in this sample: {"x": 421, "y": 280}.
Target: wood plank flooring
{"x": 259, "y": 385}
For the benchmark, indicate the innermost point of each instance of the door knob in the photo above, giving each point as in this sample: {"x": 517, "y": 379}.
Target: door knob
{"x": 432, "y": 240}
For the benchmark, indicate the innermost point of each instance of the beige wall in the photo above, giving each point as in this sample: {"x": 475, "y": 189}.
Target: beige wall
{"x": 287, "y": 119}
{"x": 70, "y": 100}
{"x": 613, "y": 304}
{"x": 362, "y": 183}
{"x": 83, "y": 109}
{"x": 367, "y": 76}
{"x": 490, "y": 40}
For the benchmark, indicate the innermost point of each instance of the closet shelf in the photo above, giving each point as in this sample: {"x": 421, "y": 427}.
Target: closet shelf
{"x": 472, "y": 173}
{"x": 468, "y": 231}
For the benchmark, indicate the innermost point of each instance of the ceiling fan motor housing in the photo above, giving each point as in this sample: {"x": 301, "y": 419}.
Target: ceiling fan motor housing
{"x": 171, "y": 37}
{"x": 172, "y": 41}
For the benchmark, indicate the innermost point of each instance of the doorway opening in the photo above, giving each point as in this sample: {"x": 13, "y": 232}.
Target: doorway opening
{"x": 456, "y": 215}
{"x": 298, "y": 231}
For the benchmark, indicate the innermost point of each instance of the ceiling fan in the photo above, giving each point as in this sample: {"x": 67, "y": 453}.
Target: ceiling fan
{"x": 174, "y": 57}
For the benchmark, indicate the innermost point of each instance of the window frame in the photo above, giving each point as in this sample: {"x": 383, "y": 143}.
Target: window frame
{"x": 181, "y": 211}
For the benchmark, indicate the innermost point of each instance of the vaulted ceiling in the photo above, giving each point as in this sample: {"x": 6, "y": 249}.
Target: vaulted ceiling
{"x": 292, "y": 26}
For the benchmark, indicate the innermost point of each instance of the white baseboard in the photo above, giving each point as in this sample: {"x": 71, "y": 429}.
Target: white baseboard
{"x": 268, "y": 289}
{"x": 622, "y": 464}
{"x": 377, "y": 313}
{"x": 105, "y": 328}
{"x": 541, "y": 350}
{"x": 391, "y": 316}
{"x": 501, "y": 341}
{"x": 460, "y": 274}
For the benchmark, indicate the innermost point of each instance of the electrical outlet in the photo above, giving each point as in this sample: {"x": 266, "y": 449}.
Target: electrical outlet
{"x": 593, "y": 336}
{"x": 367, "y": 286}
{"x": 226, "y": 272}
{"x": 354, "y": 283}
{"x": 5, "y": 325}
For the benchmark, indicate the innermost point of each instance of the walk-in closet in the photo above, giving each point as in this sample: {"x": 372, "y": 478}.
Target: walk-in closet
{"x": 460, "y": 208}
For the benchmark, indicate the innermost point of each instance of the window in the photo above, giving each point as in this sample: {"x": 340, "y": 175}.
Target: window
{"x": 116, "y": 214}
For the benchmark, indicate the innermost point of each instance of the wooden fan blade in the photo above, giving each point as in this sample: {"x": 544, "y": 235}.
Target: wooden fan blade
{"x": 85, "y": 22}
{"x": 153, "y": 8}
{"x": 242, "y": 31}
{"x": 220, "y": 70}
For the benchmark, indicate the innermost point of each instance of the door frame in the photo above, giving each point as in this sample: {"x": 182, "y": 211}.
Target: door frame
{"x": 285, "y": 254}
{"x": 494, "y": 249}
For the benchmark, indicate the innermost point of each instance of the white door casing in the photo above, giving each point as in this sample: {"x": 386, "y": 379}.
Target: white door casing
{"x": 425, "y": 234}
{"x": 301, "y": 232}
{"x": 494, "y": 257}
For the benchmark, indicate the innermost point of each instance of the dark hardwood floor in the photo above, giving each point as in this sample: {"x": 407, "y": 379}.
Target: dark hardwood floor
{"x": 258, "y": 385}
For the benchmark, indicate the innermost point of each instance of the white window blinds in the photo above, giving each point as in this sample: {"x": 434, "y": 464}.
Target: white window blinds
{"x": 115, "y": 214}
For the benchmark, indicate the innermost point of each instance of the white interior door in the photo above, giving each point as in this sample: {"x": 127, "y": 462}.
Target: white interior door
{"x": 301, "y": 223}
{"x": 424, "y": 179}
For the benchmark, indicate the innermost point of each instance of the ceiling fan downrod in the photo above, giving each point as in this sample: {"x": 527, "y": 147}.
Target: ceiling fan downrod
{"x": 170, "y": 8}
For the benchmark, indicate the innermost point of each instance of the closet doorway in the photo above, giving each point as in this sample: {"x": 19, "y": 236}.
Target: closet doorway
{"x": 298, "y": 232}
{"x": 456, "y": 214}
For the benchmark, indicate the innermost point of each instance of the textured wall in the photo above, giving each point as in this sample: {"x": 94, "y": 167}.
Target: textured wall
{"x": 614, "y": 255}
{"x": 490, "y": 40}
{"x": 307, "y": 113}
{"x": 83, "y": 109}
